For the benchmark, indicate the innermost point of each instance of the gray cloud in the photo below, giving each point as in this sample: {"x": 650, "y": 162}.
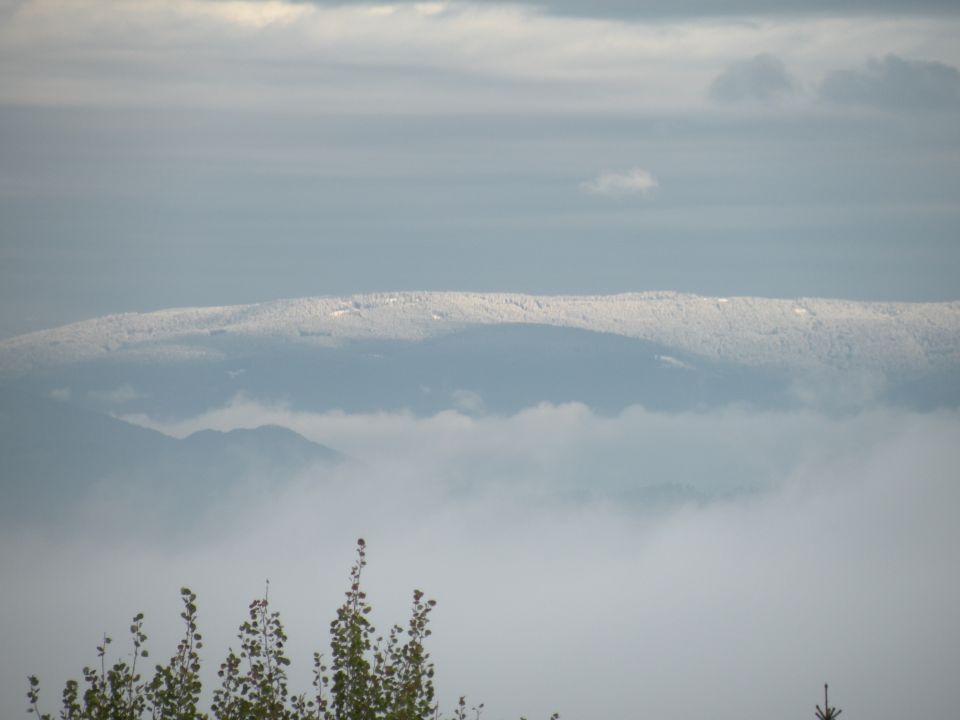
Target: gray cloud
{"x": 762, "y": 78}
{"x": 895, "y": 83}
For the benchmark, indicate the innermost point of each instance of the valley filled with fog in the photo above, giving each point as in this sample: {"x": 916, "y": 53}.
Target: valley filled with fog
{"x": 615, "y": 514}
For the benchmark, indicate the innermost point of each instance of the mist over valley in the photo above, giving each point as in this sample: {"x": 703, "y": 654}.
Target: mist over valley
{"x": 507, "y": 466}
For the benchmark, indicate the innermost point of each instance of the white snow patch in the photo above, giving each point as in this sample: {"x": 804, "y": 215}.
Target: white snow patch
{"x": 874, "y": 336}
{"x": 670, "y": 361}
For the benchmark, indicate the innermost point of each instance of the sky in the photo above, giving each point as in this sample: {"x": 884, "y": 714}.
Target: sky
{"x": 172, "y": 153}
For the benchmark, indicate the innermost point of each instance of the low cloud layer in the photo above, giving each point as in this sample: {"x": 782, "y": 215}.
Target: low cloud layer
{"x": 808, "y": 548}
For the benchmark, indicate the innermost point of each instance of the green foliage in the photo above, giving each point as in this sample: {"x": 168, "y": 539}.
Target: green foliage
{"x": 174, "y": 692}
{"x": 368, "y": 677}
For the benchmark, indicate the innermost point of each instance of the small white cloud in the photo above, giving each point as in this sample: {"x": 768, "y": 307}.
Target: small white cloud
{"x": 636, "y": 181}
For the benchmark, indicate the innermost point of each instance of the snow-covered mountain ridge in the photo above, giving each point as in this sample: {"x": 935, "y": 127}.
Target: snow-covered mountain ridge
{"x": 808, "y": 332}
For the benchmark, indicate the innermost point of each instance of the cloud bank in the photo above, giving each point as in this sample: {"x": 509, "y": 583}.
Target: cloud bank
{"x": 805, "y": 548}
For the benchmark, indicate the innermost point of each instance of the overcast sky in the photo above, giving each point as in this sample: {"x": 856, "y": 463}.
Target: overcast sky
{"x": 160, "y": 153}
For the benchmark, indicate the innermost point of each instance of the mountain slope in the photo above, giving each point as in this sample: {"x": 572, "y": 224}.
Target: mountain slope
{"x": 494, "y": 368}
{"x": 54, "y": 455}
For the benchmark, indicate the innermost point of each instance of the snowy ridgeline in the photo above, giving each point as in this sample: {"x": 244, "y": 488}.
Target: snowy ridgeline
{"x": 745, "y": 330}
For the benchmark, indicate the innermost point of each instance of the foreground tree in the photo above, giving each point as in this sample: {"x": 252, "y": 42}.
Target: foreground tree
{"x": 367, "y": 678}
{"x": 826, "y": 712}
